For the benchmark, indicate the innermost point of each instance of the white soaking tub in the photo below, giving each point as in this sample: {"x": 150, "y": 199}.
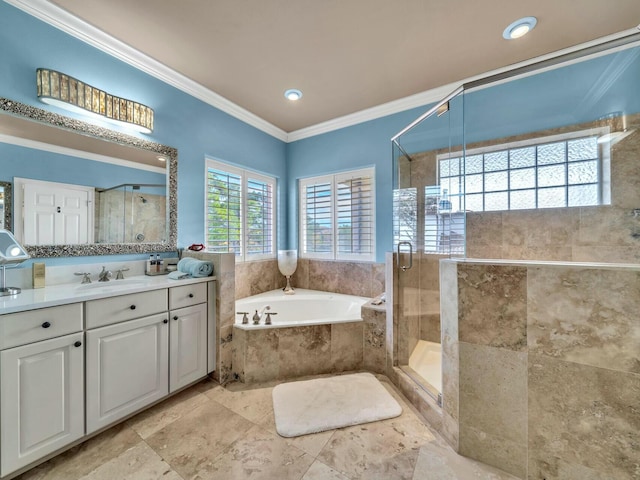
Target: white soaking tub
{"x": 305, "y": 307}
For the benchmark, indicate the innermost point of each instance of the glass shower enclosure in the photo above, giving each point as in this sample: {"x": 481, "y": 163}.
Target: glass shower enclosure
{"x": 429, "y": 224}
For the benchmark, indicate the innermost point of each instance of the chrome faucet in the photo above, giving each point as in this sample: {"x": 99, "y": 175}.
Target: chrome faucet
{"x": 104, "y": 275}
{"x": 245, "y": 319}
{"x": 267, "y": 320}
{"x": 119, "y": 275}
{"x": 85, "y": 277}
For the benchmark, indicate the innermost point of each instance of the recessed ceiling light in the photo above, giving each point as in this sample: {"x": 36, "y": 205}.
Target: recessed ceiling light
{"x": 161, "y": 158}
{"x": 519, "y": 28}
{"x": 293, "y": 94}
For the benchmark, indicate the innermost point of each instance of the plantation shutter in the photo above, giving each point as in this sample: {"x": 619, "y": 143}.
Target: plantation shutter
{"x": 260, "y": 217}
{"x": 224, "y": 211}
{"x": 317, "y": 216}
{"x": 354, "y": 215}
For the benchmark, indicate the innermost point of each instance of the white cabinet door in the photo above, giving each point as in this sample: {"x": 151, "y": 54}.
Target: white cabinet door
{"x": 188, "y": 338}
{"x": 127, "y": 368}
{"x": 41, "y": 399}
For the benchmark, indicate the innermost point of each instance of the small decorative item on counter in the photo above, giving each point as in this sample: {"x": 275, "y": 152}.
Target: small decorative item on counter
{"x": 196, "y": 247}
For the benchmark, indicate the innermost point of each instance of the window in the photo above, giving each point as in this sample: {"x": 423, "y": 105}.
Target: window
{"x": 337, "y": 216}
{"x": 559, "y": 171}
{"x": 240, "y": 212}
{"x": 567, "y": 170}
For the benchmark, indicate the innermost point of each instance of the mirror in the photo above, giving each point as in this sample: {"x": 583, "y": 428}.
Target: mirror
{"x": 5, "y": 205}
{"x": 131, "y": 206}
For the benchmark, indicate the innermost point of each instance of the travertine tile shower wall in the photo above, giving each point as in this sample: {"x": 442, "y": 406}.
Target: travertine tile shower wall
{"x": 542, "y": 373}
{"x": 608, "y": 233}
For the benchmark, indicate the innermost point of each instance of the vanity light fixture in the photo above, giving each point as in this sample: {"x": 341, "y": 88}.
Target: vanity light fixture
{"x": 293, "y": 94}
{"x": 519, "y": 28}
{"x": 61, "y": 90}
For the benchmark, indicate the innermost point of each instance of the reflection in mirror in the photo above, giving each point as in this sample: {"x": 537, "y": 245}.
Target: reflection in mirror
{"x": 128, "y": 200}
{"x": 5, "y": 206}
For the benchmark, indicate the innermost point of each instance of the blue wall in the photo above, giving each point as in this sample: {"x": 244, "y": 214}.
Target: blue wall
{"x": 358, "y": 146}
{"x": 195, "y": 128}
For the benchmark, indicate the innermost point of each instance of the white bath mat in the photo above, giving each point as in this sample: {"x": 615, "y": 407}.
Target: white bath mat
{"x": 321, "y": 404}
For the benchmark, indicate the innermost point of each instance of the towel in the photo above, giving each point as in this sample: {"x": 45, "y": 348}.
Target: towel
{"x": 178, "y": 275}
{"x": 195, "y": 268}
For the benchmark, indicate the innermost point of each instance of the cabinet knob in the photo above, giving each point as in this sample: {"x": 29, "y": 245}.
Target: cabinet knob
{"x": 175, "y": 317}
{"x": 46, "y": 325}
{"x": 77, "y": 344}
{"x": 165, "y": 321}
{"x": 132, "y": 307}
{"x": 191, "y": 295}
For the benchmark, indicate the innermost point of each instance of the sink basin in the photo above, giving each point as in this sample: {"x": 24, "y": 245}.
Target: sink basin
{"x": 111, "y": 284}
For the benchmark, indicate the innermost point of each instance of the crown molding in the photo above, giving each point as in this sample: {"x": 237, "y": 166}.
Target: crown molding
{"x": 436, "y": 94}
{"x": 63, "y": 20}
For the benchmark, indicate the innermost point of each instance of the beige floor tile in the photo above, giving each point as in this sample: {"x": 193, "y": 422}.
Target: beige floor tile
{"x": 87, "y": 456}
{"x": 387, "y": 449}
{"x": 192, "y": 443}
{"x": 137, "y": 463}
{"x": 156, "y": 418}
{"x": 259, "y": 455}
{"x": 312, "y": 444}
{"x": 320, "y": 471}
{"x": 252, "y": 404}
{"x": 439, "y": 462}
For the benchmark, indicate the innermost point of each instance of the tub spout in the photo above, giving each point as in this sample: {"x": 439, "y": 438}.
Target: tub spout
{"x": 256, "y": 318}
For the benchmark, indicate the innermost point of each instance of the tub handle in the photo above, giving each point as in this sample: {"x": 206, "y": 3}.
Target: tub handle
{"x": 267, "y": 321}
{"x": 245, "y": 319}
{"x": 404, "y": 268}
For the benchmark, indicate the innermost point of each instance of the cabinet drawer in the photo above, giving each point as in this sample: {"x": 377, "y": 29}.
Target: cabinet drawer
{"x": 35, "y": 325}
{"x": 125, "y": 307}
{"x": 187, "y": 295}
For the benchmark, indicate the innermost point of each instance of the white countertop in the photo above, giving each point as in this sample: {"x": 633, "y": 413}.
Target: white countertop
{"x": 52, "y": 296}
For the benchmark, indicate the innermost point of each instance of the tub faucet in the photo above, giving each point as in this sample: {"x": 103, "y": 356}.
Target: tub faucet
{"x": 256, "y": 318}
{"x": 245, "y": 319}
{"x": 267, "y": 320}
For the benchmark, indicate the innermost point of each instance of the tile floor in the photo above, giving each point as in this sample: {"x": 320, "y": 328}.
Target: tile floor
{"x": 210, "y": 432}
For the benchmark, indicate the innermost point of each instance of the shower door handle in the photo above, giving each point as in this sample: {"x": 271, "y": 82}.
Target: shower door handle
{"x": 404, "y": 268}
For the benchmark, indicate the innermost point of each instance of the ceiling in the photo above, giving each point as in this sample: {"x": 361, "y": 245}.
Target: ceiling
{"x": 345, "y": 55}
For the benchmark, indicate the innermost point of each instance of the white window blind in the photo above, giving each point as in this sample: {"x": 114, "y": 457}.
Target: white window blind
{"x": 240, "y": 212}
{"x": 337, "y": 216}
{"x": 354, "y": 199}
{"x": 260, "y": 217}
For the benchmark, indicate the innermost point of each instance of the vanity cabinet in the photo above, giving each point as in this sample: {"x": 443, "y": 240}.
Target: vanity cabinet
{"x": 188, "y": 352}
{"x": 127, "y": 368}
{"x": 71, "y": 370}
{"x": 42, "y": 384}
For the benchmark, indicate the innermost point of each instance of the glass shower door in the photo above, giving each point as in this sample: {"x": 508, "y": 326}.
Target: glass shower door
{"x": 429, "y": 224}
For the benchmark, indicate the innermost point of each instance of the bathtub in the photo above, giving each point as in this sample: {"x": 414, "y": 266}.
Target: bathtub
{"x": 305, "y": 307}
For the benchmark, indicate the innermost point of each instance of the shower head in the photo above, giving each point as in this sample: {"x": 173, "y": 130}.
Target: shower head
{"x": 144, "y": 200}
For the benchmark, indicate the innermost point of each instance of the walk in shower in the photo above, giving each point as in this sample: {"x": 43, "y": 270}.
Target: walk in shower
{"x": 533, "y": 164}
{"x": 131, "y": 213}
